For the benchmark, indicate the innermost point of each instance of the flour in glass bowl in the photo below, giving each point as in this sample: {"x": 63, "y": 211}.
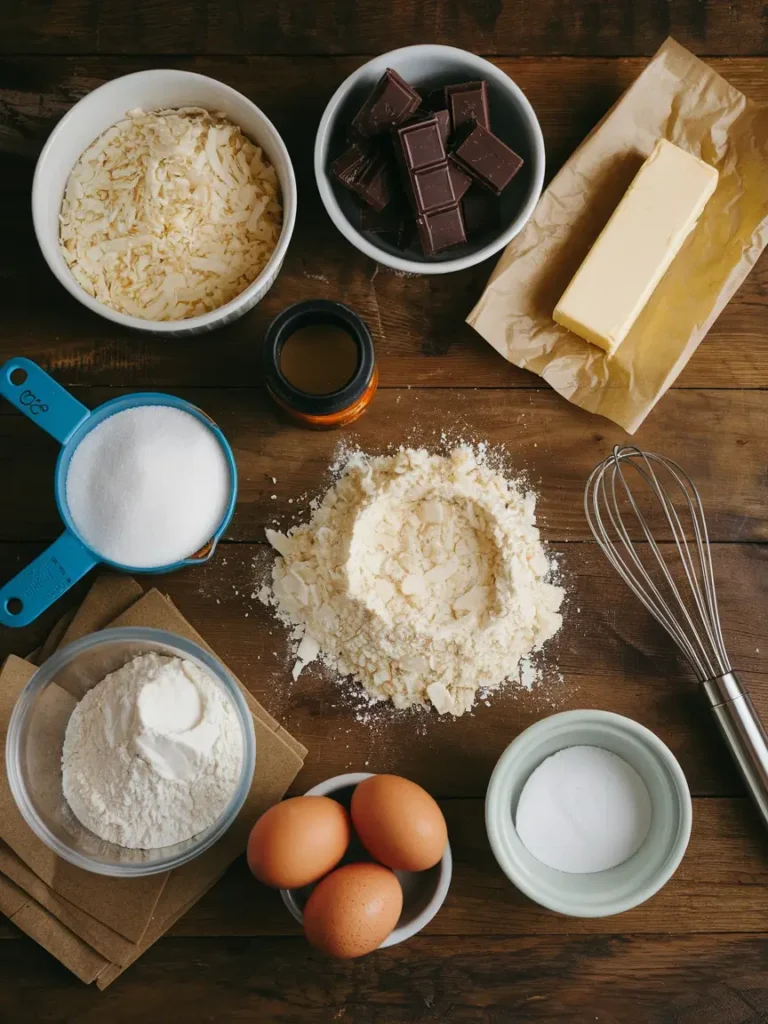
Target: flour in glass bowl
{"x": 421, "y": 575}
{"x": 152, "y": 754}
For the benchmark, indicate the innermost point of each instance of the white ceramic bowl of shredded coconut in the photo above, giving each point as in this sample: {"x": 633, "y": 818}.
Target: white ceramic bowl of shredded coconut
{"x": 105, "y": 107}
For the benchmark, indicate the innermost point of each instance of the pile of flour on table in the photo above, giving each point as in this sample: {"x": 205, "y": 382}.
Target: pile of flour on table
{"x": 420, "y": 575}
{"x": 152, "y": 754}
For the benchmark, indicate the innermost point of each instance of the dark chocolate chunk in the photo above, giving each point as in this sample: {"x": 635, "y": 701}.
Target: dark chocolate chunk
{"x": 433, "y": 189}
{"x": 468, "y": 102}
{"x": 388, "y": 221}
{"x": 391, "y": 102}
{"x": 443, "y": 121}
{"x": 347, "y": 167}
{"x": 434, "y": 100}
{"x": 481, "y": 212}
{"x": 486, "y": 158}
{"x": 395, "y": 225}
{"x": 420, "y": 144}
{"x": 397, "y": 162}
{"x": 375, "y": 182}
{"x": 424, "y": 163}
{"x": 461, "y": 181}
{"x": 444, "y": 124}
{"x": 441, "y": 230}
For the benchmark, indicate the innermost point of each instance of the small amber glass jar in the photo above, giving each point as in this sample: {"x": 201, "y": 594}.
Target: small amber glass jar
{"x": 341, "y": 345}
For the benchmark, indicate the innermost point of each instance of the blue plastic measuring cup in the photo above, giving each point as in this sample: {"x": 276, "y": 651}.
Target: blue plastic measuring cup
{"x": 69, "y": 558}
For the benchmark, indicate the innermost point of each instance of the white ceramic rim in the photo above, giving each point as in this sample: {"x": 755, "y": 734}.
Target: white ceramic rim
{"x": 421, "y": 920}
{"x": 485, "y": 68}
{"x": 498, "y": 794}
{"x": 49, "y": 248}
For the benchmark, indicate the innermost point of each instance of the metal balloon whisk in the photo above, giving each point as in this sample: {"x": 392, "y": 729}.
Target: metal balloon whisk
{"x": 676, "y": 584}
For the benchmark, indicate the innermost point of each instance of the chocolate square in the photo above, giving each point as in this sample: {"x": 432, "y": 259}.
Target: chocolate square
{"x": 421, "y": 144}
{"x": 441, "y": 230}
{"x": 468, "y": 103}
{"x": 380, "y": 222}
{"x": 347, "y": 167}
{"x": 481, "y": 212}
{"x": 391, "y": 102}
{"x": 434, "y": 100}
{"x": 486, "y": 158}
{"x": 391, "y": 222}
{"x": 444, "y": 124}
{"x": 433, "y": 189}
{"x": 375, "y": 181}
{"x": 461, "y": 181}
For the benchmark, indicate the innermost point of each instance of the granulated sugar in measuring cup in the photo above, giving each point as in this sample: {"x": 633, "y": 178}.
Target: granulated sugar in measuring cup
{"x": 145, "y": 483}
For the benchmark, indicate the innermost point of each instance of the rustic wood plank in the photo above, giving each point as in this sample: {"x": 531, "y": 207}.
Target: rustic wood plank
{"x": 554, "y": 442}
{"x": 725, "y": 866}
{"x": 293, "y": 27}
{"x": 485, "y": 980}
{"x": 608, "y": 655}
{"x": 417, "y": 322}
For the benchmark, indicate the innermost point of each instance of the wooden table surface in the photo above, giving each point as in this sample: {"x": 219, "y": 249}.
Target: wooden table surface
{"x": 697, "y": 953}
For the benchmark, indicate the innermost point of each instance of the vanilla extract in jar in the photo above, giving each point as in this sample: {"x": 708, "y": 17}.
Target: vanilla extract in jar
{"x": 320, "y": 364}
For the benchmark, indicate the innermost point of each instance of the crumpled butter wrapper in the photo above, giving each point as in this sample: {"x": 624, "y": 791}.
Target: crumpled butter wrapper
{"x": 680, "y": 98}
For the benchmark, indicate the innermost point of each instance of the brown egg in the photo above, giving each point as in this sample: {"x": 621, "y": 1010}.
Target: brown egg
{"x": 353, "y": 910}
{"x": 399, "y": 823}
{"x": 298, "y": 841}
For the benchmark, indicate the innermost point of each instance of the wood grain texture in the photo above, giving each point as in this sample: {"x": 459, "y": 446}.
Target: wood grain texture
{"x": 697, "y": 953}
{"x": 417, "y": 322}
{"x": 484, "y": 980}
{"x": 617, "y": 27}
{"x": 726, "y": 864}
{"x": 609, "y": 654}
{"x": 719, "y": 436}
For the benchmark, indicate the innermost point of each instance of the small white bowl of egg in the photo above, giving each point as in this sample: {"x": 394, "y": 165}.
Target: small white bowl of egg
{"x": 362, "y": 861}
{"x": 165, "y": 201}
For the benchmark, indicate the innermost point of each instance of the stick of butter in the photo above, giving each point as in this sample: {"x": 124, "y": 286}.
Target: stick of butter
{"x": 636, "y": 246}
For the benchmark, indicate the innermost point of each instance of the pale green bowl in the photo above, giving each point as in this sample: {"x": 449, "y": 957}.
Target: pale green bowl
{"x": 603, "y": 892}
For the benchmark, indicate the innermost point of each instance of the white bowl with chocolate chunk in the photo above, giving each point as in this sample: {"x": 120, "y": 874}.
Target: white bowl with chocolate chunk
{"x": 429, "y": 159}
{"x": 165, "y": 201}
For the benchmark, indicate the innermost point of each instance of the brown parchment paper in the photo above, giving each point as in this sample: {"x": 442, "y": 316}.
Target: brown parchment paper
{"x": 31, "y": 918}
{"x": 80, "y": 941}
{"x": 680, "y": 98}
{"x": 123, "y": 904}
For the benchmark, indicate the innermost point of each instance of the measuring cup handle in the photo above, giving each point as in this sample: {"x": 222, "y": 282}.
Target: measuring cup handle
{"x": 41, "y": 399}
{"x": 44, "y": 580}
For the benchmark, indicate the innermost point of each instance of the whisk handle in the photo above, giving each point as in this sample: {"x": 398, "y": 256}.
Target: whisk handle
{"x": 744, "y": 734}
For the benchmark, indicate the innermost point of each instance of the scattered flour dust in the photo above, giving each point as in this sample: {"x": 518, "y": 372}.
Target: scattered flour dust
{"x": 420, "y": 575}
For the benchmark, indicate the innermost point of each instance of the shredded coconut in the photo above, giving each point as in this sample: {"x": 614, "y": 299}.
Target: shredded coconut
{"x": 170, "y": 214}
{"x": 152, "y": 753}
{"x": 421, "y": 575}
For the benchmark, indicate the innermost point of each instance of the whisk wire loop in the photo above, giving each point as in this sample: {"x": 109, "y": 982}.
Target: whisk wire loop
{"x": 684, "y": 603}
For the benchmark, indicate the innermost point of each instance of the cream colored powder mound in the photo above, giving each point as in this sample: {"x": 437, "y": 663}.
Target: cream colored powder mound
{"x": 422, "y": 576}
{"x": 170, "y": 214}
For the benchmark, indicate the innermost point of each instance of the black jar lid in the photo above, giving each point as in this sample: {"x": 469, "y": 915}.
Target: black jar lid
{"x": 309, "y": 314}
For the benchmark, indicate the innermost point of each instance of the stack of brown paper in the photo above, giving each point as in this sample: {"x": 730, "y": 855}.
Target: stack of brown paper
{"x": 680, "y": 98}
{"x": 98, "y": 926}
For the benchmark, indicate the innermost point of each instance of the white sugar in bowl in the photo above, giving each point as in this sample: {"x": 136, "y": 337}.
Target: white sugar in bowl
{"x": 597, "y": 893}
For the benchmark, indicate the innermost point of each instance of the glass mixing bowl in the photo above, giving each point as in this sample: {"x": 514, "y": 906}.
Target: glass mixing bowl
{"x": 36, "y": 736}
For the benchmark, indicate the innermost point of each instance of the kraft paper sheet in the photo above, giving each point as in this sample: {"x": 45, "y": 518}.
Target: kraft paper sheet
{"x": 91, "y": 949}
{"x": 680, "y": 98}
